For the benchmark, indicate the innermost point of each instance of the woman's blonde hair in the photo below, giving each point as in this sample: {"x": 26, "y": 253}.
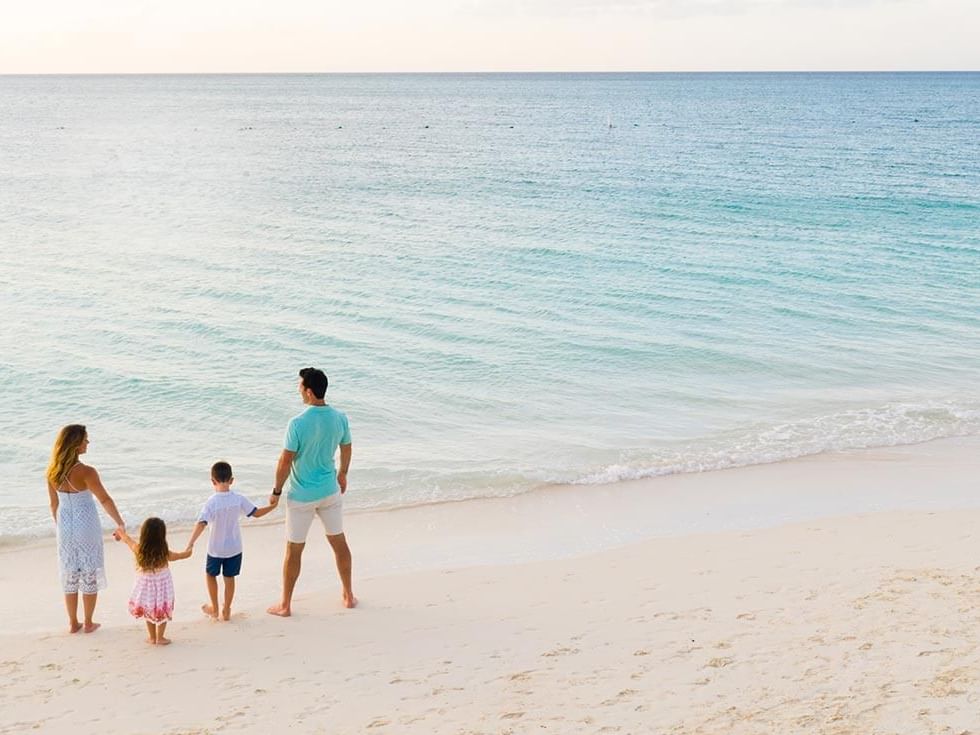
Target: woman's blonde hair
{"x": 64, "y": 454}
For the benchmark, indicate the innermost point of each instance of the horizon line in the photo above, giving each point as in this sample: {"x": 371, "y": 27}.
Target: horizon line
{"x": 486, "y": 72}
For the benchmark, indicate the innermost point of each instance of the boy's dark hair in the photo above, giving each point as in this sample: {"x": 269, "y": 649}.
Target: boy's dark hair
{"x": 315, "y": 380}
{"x": 221, "y": 472}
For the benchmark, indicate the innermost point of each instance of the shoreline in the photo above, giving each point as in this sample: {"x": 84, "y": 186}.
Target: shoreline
{"x": 654, "y": 481}
{"x": 551, "y": 523}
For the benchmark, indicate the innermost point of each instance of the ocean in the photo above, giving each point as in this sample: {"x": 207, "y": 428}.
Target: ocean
{"x": 510, "y": 280}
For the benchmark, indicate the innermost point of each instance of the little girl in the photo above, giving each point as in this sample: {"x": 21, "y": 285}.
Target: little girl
{"x": 153, "y": 594}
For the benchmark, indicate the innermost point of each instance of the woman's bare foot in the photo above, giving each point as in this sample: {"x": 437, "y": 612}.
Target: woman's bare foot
{"x": 91, "y": 627}
{"x": 74, "y": 627}
{"x": 208, "y": 609}
{"x": 281, "y": 610}
{"x": 161, "y": 641}
{"x": 350, "y": 602}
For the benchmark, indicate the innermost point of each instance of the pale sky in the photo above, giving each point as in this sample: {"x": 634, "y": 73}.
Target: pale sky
{"x": 131, "y": 36}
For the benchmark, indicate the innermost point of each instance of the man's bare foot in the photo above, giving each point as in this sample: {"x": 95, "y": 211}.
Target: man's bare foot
{"x": 350, "y": 602}
{"x": 281, "y": 610}
{"x": 91, "y": 627}
{"x": 74, "y": 627}
{"x": 226, "y": 613}
{"x": 208, "y": 609}
{"x": 161, "y": 641}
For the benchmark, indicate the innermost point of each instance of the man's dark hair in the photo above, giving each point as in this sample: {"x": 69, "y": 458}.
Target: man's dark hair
{"x": 315, "y": 380}
{"x": 221, "y": 472}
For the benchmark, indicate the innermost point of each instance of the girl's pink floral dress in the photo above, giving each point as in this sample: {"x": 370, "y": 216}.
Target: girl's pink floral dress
{"x": 152, "y": 597}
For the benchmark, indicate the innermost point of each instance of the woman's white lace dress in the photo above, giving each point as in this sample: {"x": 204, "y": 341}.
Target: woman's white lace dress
{"x": 80, "y": 544}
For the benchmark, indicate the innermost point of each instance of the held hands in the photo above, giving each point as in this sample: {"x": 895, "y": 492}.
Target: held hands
{"x": 342, "y": 481}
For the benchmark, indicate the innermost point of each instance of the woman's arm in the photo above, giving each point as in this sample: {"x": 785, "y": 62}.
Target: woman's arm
{"x": 125, "y": 537}
{"x": 53, "y": 498}
{"x": 94, "y": 483}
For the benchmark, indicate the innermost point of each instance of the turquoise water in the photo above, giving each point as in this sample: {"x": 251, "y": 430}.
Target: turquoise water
{"x": 511, "y": 280}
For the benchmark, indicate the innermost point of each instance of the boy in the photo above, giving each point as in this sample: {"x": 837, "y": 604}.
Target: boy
{"x": 222, "y": 513}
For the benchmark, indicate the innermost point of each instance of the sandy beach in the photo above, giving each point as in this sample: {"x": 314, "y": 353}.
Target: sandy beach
{"x": 832, "y": 594}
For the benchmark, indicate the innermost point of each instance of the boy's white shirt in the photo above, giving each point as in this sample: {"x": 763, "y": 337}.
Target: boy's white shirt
{"x": 222, "y": 512}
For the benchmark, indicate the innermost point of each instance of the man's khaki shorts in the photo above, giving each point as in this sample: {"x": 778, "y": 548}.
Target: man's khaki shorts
{"x": 299, "y": 517}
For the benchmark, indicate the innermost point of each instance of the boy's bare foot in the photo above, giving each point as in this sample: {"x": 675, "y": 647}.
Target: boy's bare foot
{"x": 350, "y": 602}
{"x": 161, "y": 641}
{"x": 91, "y": 627}
{"x": 281, "y": 610}
{"x": 74, "y": 627}
{"x": 208, "y": 609}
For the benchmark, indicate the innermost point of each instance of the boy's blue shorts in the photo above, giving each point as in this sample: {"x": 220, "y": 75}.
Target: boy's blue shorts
{"x": 223, "y": 566}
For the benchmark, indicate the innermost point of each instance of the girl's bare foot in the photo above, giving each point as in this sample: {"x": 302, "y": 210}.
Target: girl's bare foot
{"x": 74, "y": 627}
{"x": 91, "y": 627}
{"x": 208, "y": 609}
{"x": 281, "y": 610}
{"x": 226, "y": 613}
{"x": 151, "y": 641}
{"x": 161, "y": 641}
{"x": 350, "y": 601}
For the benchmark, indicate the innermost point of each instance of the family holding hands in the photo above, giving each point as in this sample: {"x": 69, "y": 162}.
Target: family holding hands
{"x": 306, "y": 466}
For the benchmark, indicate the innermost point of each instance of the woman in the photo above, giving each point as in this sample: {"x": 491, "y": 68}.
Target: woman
{"x": 73, "y": 488}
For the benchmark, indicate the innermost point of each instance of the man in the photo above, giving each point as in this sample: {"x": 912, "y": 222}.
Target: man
{"x": 316, "y": 487}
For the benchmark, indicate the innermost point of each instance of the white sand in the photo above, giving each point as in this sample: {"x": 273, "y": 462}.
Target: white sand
{"x": 861, "y": 623}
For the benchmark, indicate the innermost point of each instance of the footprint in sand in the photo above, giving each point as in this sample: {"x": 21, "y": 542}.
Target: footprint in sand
{"x": 950, "y": 683}
{"x": 561, "y": 651}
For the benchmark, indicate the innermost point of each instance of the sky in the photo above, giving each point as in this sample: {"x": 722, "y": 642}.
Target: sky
{"x": 160, "y": 36}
